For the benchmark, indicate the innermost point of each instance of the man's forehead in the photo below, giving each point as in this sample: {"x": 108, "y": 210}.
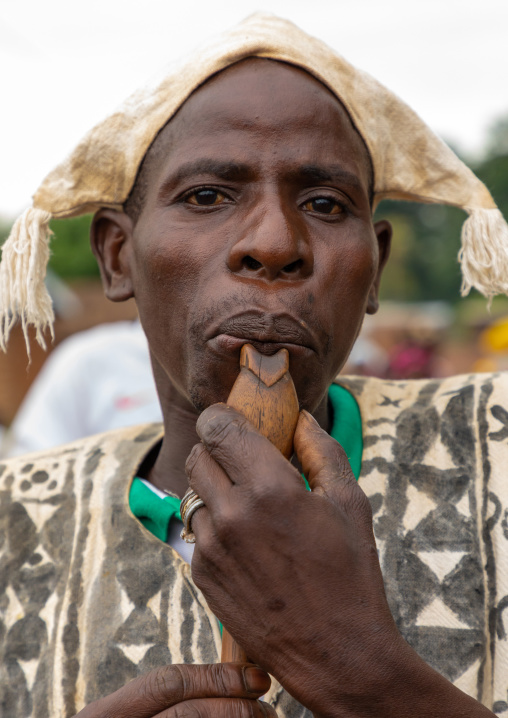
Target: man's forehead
{"x": 256, "y": 80}
{"x": 257, "y": 72}
{"x": 254, "y": 85}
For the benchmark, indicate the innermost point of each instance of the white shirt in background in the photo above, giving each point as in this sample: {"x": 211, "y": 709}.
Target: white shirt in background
{"x": 95, "y": 380}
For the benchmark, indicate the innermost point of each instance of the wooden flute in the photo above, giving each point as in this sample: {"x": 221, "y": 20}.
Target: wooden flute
{"x": 265, "y": 394}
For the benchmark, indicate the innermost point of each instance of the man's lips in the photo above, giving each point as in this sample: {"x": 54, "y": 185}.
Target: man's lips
{"x": 266, "y": 331}
{"x": 228, "y": 343}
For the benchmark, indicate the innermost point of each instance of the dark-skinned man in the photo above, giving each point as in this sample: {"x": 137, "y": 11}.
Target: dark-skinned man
{"x": 243, "y": 213}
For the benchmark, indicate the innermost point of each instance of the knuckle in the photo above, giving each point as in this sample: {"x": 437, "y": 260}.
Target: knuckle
{"x": 221, "y": 677}
{"x": 152, "y": 686}
{"x": 181, "y": 679}
{"x": 164, "y": 681}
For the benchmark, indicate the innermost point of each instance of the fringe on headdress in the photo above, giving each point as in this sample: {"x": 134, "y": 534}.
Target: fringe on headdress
{"x": 484, "y": 253}
{"x": 23, "y": 293}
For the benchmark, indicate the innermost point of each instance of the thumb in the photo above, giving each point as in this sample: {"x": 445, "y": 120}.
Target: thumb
{"x": 152, "y": 693}
{"x": 323, "y": 460}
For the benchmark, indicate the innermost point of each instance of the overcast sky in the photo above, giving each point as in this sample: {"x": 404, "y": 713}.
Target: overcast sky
{"x": 67, "y": 63}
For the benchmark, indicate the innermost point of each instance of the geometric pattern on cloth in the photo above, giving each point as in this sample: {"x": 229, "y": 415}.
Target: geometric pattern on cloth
{"x": 439, "y": 499}
{"x": 90, "y": 599}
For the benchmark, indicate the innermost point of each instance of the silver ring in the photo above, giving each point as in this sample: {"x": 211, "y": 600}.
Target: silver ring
{"x": 190, "y": 503}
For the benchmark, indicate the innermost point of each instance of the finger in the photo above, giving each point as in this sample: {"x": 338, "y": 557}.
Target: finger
{"x": 323, "y": 460}
{"x": 223, "y": 707}
{"x": 214, "y": 487}
{"x": 206, "y": 477}
{"x": 241, "y": 450}
{"x": 152, "y": 693}
{"x": 201, "y": 525}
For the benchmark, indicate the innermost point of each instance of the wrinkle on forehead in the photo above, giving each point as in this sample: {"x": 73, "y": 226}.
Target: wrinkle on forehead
{"x": 217, "y": 95}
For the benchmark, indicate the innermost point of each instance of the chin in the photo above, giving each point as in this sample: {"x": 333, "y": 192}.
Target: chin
{"x": 200, "y": 401}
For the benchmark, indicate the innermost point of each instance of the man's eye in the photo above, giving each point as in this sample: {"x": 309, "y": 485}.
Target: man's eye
{"x": 205, "y": 198}
{"x": 323, "y": 205}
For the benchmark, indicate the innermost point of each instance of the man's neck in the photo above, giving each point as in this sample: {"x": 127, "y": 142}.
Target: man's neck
{"x": 168, "y": 471}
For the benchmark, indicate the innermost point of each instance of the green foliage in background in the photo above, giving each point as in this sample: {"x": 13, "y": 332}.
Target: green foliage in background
{"x": 71, "y": 256}
{"x": 426, "y": 240}
{"x": 497, "y": 140}
{"x": 494, "y": 172}
{"x": 423, "y": 263}
{"x": 5, "y": 228}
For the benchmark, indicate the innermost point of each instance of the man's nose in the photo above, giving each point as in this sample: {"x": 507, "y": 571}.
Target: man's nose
{"x": 273, "y": 244}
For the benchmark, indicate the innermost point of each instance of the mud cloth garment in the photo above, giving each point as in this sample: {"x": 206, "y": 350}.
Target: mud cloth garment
{"x": 90, "y": 599}
{"x": 158, "y": 511}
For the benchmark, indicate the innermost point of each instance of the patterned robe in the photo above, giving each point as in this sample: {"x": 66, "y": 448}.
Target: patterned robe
{"x": 90, "y": 599}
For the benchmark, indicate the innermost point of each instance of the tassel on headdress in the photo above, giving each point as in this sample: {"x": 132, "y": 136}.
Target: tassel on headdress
{"x": 484, "y": 253}
{"x": 410, "y": 162}
{"x": 23, "y": 293}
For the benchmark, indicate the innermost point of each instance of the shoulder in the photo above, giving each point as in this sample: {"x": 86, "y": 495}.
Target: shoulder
{"x": 427, "y": 422}
{"x": 49, "y": 470}
{"x": 371, "y": 392}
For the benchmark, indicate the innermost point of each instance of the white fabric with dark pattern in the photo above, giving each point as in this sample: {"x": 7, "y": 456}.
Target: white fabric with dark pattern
{"x": 89, "y": 598}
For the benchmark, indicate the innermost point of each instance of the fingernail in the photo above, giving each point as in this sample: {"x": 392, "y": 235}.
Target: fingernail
{"x": 256, "y": 680}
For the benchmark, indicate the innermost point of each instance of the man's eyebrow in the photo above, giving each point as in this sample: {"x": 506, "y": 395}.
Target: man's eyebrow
{"x": 229, "y": 171}
{"x": 316, "y": 174}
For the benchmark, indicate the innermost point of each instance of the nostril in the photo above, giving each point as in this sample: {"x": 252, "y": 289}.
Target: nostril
{"x": 251, "y": 263}
{"x": 293, "y": 267}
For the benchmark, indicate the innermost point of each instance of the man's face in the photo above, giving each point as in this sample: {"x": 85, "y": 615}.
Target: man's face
{"x": 256, "y": 227}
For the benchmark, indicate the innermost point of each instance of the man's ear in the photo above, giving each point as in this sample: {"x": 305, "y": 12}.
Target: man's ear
{"x": 383, "y": 231}
{"x": 111, "y": 240}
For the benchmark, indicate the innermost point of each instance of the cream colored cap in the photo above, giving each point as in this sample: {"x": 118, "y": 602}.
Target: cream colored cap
{"x": 410, "y": 162}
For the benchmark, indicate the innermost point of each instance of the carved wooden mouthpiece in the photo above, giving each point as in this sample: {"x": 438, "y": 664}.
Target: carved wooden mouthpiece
{"x": 265, "y": 394}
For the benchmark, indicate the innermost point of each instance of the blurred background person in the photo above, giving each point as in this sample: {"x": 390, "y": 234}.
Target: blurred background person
{"x": 96, "y": 380}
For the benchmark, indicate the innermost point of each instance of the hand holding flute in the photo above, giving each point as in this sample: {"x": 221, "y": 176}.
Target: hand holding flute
{"x": 293, "y": 575}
